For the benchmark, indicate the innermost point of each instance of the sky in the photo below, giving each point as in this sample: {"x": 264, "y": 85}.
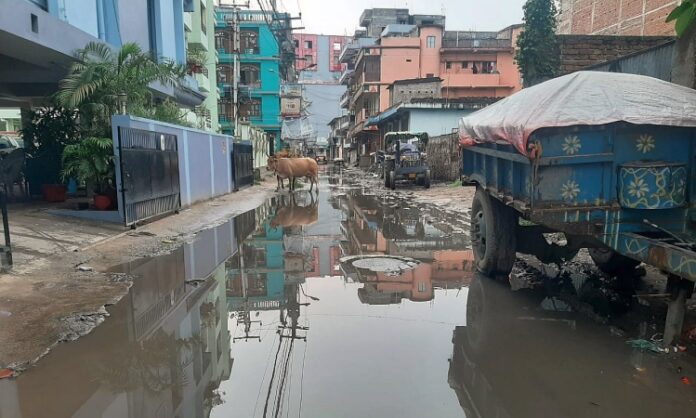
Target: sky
{"x": 340, "y": 17}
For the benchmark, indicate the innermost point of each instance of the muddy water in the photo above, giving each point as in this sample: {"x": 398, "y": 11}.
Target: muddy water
{"x": 350, "y": 305}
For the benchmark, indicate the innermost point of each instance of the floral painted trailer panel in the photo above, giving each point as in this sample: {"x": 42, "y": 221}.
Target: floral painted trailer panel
{"x": 631, "y": 187}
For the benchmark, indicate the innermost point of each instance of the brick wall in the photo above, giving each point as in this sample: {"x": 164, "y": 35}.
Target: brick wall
{"x": 616, "y": 17}
{"x": 581, "y": 51}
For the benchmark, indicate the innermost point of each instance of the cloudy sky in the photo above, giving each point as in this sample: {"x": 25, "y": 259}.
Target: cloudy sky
{"x": 339, "y": 17}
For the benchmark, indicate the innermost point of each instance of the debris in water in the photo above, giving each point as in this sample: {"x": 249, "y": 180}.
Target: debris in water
{"x": 685, "y": 380}
{"x": 647, "y": 345}
{"x": 5, "y": 313}
{"x": 83, "y": 267}
{"x": 5, "y": 373}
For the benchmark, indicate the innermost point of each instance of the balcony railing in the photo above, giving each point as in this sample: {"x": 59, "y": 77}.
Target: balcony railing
{"x": 477, "y": 43}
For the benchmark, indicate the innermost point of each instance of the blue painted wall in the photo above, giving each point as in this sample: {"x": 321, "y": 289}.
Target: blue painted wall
{"x": 268, "y": 61}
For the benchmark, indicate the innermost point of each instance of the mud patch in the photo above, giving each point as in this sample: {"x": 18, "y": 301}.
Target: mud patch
{"x": 80, "y": 324}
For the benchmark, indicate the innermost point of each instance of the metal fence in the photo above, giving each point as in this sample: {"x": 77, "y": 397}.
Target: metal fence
{"x": 443, "y": 157}
{"x": 654, "y": 62}
{"x": 242, "y": 165}
{"x": 149, "y": 168}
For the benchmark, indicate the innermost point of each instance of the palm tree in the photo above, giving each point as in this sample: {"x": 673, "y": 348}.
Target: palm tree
{"x": 101, "y": 80}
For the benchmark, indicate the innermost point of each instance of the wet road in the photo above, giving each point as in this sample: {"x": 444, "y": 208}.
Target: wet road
{"x": 352, "y": 305}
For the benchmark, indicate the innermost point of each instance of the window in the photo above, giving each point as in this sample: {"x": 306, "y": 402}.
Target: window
{"x": 308, "y": 44}
{"x": 249, "y": 75}
{"x": 249, "y": 41}
{"x": 309, "y": 61}
{"x": 204, "y": 19}
{"x": 409, "y": 60}
{"x": 448, "y": 65}
{"x": 335, "y": 60}
{"x": 337, "y": 46}
{"x": 431, "y": 42}
{"x": 430, "y": 75}
{"x": 296, "y": 42}
{"x": 34, "y": 23}
{"x": 465, "y": 64}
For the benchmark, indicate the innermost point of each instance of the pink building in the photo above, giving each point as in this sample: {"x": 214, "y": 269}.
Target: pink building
{"x": 470, "y": 64}
{"x": 309, "y": 47}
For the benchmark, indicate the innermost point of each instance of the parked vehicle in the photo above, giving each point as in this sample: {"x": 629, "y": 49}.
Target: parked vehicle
{"x": 9, "y": 144}
{"x": 321, "y": 159}
{"x": 609, "y": 160}
{"x": 405, "y": 159}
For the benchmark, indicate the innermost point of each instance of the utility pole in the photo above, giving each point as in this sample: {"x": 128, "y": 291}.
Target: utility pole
{"x": 236, "y": 48}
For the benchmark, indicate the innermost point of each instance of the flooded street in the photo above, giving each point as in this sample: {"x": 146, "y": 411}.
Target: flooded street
{"x": 352, "y": 304}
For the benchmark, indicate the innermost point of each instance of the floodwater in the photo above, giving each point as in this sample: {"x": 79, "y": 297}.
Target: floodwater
{"x": 351, "y": 305}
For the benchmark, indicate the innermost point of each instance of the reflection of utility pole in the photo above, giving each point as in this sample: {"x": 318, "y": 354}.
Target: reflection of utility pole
{"x": 236, "y": 33}
{"x": 245, "y": 314}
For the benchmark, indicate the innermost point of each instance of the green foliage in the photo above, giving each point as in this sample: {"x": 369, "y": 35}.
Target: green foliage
{"x": 50, "y": 130}
{"x": 90, "y": 161}
{"x": 538, "y": 55}
{"x": 683, "y": 16}
{"x": 196, "y": 54}
{"x": 166, "y": 111}
{"x": 100, "y": 76}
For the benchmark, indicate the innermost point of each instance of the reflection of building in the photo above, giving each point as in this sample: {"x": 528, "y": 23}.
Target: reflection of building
{"x": 372, "y": 227}
{"x": 162, "y": 352}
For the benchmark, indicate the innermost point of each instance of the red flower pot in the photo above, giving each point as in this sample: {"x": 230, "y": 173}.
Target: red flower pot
{"x": 54, "y": 192}
{"x": 102, "y": 202}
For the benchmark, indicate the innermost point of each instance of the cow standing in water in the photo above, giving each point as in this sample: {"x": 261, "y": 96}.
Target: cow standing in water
{"x": 292, "y": 168}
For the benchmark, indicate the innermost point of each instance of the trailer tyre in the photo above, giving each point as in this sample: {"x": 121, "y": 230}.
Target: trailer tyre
{"x": 391, "y": 178}
{"x": 611, "y": 262}
{"x": 493, "y": 235}
{"x": 426, "y": 179}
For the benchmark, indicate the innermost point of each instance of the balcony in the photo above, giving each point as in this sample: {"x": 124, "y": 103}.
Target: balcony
{"x": 476, "y": 44}
{"x": 203, "y": 80}
{"x": 470, "y": 80}
{"x": 345, "y": 98}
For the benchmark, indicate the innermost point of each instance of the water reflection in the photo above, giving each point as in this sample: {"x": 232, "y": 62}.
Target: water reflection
{"x": 162, "y": 353}
{"x": 527, "y": 354}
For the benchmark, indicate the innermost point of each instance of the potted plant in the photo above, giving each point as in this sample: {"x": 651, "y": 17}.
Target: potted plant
{"x": 91, "y": 161}
{"x": 195, "y": 59}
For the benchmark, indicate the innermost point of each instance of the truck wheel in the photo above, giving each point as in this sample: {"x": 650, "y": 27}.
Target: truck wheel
{"x": 426, "y": 179}
{"x": 385, "y": 175}
{"x": 611, "y": 262}
{"x": 392, "y": 180}
{"x": 493, "y": 239}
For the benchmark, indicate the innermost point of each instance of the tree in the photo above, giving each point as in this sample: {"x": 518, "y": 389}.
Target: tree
{"x": 101, "y": 80}
{"x": 683, "y": 16}
{"x": 538, "y": 55}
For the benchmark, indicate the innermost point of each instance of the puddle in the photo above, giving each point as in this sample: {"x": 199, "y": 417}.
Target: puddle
{"x": 347, "y": 305}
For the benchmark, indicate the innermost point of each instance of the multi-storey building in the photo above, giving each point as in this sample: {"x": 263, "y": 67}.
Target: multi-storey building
{"x": 319, "y": 68}
{"x": 199, "y": 24}
{"x": 409, "y": 47}
{"x": 38, "y": 39}
{"x": 262, "y": 50}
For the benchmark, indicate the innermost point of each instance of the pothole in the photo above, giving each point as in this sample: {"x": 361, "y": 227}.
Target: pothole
{"x": 381, "y": 263}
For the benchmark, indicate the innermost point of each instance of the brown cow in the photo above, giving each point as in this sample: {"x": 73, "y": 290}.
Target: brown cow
{"x": 291, "y": 214}
{"x": 292, "y": 168}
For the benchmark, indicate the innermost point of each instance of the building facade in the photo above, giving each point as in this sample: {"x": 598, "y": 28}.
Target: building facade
{"x": 199, "y": 24}
{"x": 38, "y": 39}
{"x": 396, "y": 46}
{"x": 616, "y": 17}
{"x": 262, "y": 46}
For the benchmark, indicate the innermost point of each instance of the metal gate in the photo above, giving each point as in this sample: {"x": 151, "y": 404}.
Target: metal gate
{"x": 242, "y": 165}
{"x": 149, "y": 163}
